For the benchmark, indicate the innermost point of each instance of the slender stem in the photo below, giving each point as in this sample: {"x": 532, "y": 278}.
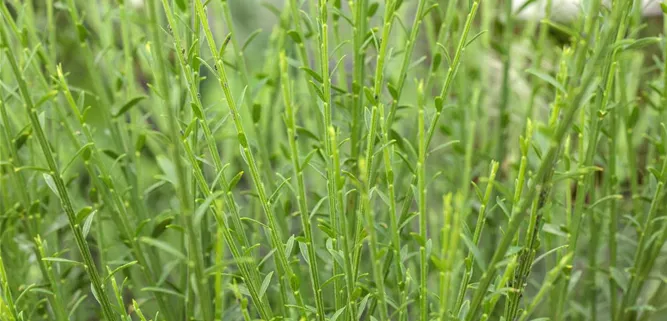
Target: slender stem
{"x": 242, "y": 67}
{"x": 508, "y": 33}
{"x": 542, "y": 175}
{"x": 547, "y": 285}
{"x": 7, "y": 292}
{"x": 421, "y": 190}
{"x": 18, "y": 179}
{"x": 451, "y": 72}
{"x": 405, "y": 63}
{"x": 107, "y": 187}
{"x": 301, "y": 188}
{"x": 182, "y": 185}
{"x": 479, "y": 226}
{"x": 274, "y": 230}
{"x": 359, "y": 29}
{"x": 55, "y": 175}
{"x": 339, "y": 222}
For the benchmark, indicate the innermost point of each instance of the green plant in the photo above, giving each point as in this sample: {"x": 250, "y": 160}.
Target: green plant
{"x": 359, "y": 160}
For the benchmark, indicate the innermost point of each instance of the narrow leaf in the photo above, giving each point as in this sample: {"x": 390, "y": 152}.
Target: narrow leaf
{"x": 546, "y": 77}
{"x": 265, "y": 284}
{"x": 163, "y": 246}
{"x": 51, "y": 183}
{"x": 250, "y": 38}
{"x": 61, "y": 260}
{"x": 129, "y": 104}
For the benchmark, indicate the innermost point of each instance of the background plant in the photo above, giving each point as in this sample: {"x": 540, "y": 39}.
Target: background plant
{"x": 330, "y": 160}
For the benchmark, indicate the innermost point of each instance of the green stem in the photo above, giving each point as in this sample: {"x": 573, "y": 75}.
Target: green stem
{"x": 181, "y": 187}
{"x": 274, "y": 230}
{"x": 89, "y": 264}
{"x": 339, "y": 222}
{"x": 421, "y": 190}
{"x": 544, "y": 172}
{"x": 502, "y": 131}
{"x": 18, "y": 179}
{"x": 301, "y": 188}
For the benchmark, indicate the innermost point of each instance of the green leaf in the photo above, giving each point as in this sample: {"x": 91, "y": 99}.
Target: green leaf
{"x": 83, "y": 213}
{"x": 161, "y": 226}
{"x": 256, "y": 112}
{"x": 164, "y": 246}
{"x": 188, "y": 130}
{"x": 88, "y": 223}
{"x": 392, "y": 91}
{"x": 50, "y": 94}
{"x": 338, "y": 313}
{"x": 438, "y": 103}
{"x": 643, "y": 42}
{"x": 163, "y": 290}
{"x": 197, "y": 111}
{"x": 312, "y": 73}
{"x": 272, "y": 8}
{"x": 167, "y": 168}
{"x": 301, "y": 131}
{"x": 362, "y": 306}
{"x": 474, "y": 250}
{"x": 478, "y": 191}
{"x": 234, "y": 181}
{"x": 372, "y": 9}
{"x": 308, "y": 158}
{"x": 266, "y": 257}
{"x": 634, "y": 116}
{"x": 84, "y": 150}
{"x": 474, "y": 38}
{"x": 141, "y": 141}
{"x": 656, "y": 173}
{"x": 250, "y": 38}
{"x": 437, "y": 59}
{"x": 318, "y": 90}
{"x": 61, "y": 260}
{"x": 562, "y": 28}
{"x": 324, "y": 227}
{"x": 81, "y": 32}
{"x": 619, "y": 277}
{"x": 537, "y": 150}
{"x": 464, "y": 309}
{"x": 370, "y": 96}
{"x": 203, "y": 207}
{"x": 116, "y": 270}
{"x": 265, "y": 284}
{"x": 606, "y": 198}
{"x": 51, "y": 183}
{"x": 294, "y": 281}
{"x": 576, "y": 173}
{"x": 304, "y": 252}
{"x": 224, "y": 45}
{"x": 276, "y": 193}
{"x": 22, "y": 137}
{"x": 181, "y": 5}
{"x": 417, "y": 237}
{"x": 295, "y": 36}
{"x": 72, "y": 309}
{"x": 112, "y": 154}
{"x": 428, "y": 10}
{"x": 192, "y": 51}
{"x": 547, "y": 78}
{"x": 289, "y": 246}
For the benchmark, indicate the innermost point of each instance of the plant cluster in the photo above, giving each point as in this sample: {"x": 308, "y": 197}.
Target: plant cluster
{"x": 349, "y": 160}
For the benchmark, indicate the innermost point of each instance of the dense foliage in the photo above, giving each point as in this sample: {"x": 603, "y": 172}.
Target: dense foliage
{"x": 330, "y": 160}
